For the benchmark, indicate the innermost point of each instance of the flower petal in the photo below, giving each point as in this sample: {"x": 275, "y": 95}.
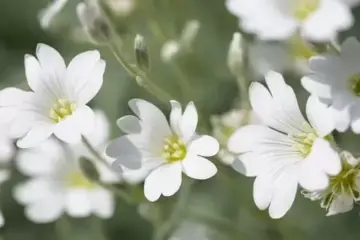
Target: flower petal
{"x": 45, "y": 211}
{"x": 37, "y": 134}
{"x": 263, "y": 190}
{"x": 67, "y": 130}
{"x": 85, "y": 119}
{"x": 127, "y": 151}
{"x": 248, "y": 164}
{"x": 340, "y": 204}
{"x": 78, "y": 203}
{"x": 283, "y": 195}
{"x": 175, "y": 116}
{"x": 164, "y": 180}
{"x": 102, "y": 202}
{"x": 129, "y": 124}
{"x": 197, "y": 167}
{"x": 205, "y": 145}
{"x": 320, "y": 116}
{"x": 189, "y": 122}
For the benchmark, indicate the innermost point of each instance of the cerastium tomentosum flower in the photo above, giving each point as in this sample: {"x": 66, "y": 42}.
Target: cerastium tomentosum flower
{"x": 57, "y": 103}
{"x": 336, "y": 80}
{"x": 285, "y": 150}
{"x": 279, "y": 20}
{"x": 344, "y": 188}
{"x": 164, "y": 151}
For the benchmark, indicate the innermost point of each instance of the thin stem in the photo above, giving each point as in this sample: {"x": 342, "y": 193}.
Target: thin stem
{"x": 93, "y": 151}
{"x": 134, "y": 72}
{"x": 97, "y": 229}
{"x": 334, "y": 47}
{"x": 118, "y": 192}
{"x": 168, "y": 226}
{"x": 243, "y": 81}
{"x": 62, "y": 228}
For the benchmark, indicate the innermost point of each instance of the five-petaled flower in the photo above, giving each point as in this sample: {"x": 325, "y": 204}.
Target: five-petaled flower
{"x": 57, "y": 103}
{"x": 279, "y": 20}
{"x": 165, "y": 151}
{"x": 286, "y": 150}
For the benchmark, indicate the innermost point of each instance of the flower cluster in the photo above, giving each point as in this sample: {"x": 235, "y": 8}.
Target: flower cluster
{"x": 61, "y": 145}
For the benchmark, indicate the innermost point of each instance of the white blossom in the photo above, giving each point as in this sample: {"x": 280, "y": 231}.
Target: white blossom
{"x": 336, "y": 80}
{"x": 164, "y": 151}
{"x": 285, "y": 150}
{"x": 344, "y": 188}
{"x": 57, "y": 102}
{"x": 56, "y": 184}
{"x": 316, "y": 20}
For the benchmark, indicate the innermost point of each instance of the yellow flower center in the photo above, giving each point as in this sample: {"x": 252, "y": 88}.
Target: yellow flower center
{"x": 300, "y": 49}
{"x": 302, "y": 9}
{"x": 76, "y": 179}
{"x": 61, "y": 109}
{"x": 304, "y": 142}
{"x": 354, "y": 84}
{"x": 174, "y": 149}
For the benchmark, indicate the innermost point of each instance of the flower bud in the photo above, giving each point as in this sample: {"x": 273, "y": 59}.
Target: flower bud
{"x": 47, "y": 15}
{"x": 189, "y": 33}
{"x": 93, "y": 23}
{"x": 235, "y": 55}
{"x": 141, "y": 53}
{"x": 169, "y": 50}
{"x": 89, "y": 170}
{"x": 121, "y": 8}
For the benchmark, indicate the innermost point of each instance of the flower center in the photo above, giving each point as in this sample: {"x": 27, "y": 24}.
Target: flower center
{"x": 302, "y": 9}
{"x": 345, "y": 180}
{"x": 76, "y": 179}
{"x": 300, "y": 49}
{"x": 174, "y": 149}
{"x": 354, "y": 84}
{"x": 61, "y": 109}
{"x": 304, "y": 142}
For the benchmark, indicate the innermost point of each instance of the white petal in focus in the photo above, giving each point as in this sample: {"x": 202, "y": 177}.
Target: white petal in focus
{"x": 175, "y": 116}
{"x": 197, "y": 167}
{"x": 205, "y": 145}
{"x": 320, "y": 116}
{"x": 263, "y": 191}
{"x": 37, "y": 134}
{"x": 189, "y": 122}
{"x": 67, "y": 130}
{"x": 248, "y": 164}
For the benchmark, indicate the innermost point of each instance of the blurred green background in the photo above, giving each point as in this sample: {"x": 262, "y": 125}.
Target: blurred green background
{"x": 228, "y": 196}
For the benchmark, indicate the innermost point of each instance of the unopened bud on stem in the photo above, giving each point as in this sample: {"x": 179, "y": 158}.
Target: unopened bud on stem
{"x": 235, "y": 55}
{"x": 141, "y": 52}
{"x": 89, "y": 170}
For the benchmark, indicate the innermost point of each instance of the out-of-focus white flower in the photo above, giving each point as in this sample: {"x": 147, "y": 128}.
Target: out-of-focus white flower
{"x": 57, "y": 184}
{"x": 57, "y": 103}
{"x": 286, "y": 150}
{"x": 226, "y": 124}
{"x": 290, "y": 55}
{"x": 93, "y": 23}
{"x": 317, "y": 20}
{"x": 235, "y": 55}
{"x": 336, "y": 80}
{"x": 47, "y": 15}
{"x": 343, "y": 189}
{"x": 121, "y": 7}
{"x": 172, "y": 48}
{"x": 190, "y": 231}
{"x": 7, "y": 148}
{"x": 164, "y": 151}
{"x": 4, "y": 176}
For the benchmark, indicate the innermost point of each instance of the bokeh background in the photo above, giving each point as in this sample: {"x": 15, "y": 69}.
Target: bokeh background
{"x": 225, "y": 199}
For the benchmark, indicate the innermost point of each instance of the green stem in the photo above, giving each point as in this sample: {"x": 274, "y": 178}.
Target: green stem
{"x": 63, "y": 228}
{"x": 118, "y": 192}
{"x": 97, "y": 229}
{"x": 165, "y": 230}
{"x": 93, "y": 151}
{"x": 134, "y": 72}
{"x": 334, "y": 47}
{"x": 244, "y": 80}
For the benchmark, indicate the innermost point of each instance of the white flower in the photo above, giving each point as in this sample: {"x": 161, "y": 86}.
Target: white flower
{"x": 317, "y": 20}
{"x": 226, "y": 124}
{"x": 290, "y": 55}
{"x": 4, "y": 176}
{"x": 57, "y": 103}
{"x": 286, "y": 150}
{"x": 122, "y": 7}
{"x": 48, "y": 14}
{"x": 164, "y": 151}
{"x": 57, "y": 185}
{"x": 235, "y": 55}
{"x": 336, "y": 80}
{"x": 7, "y": 148}
{"x": 344, "y": 188}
